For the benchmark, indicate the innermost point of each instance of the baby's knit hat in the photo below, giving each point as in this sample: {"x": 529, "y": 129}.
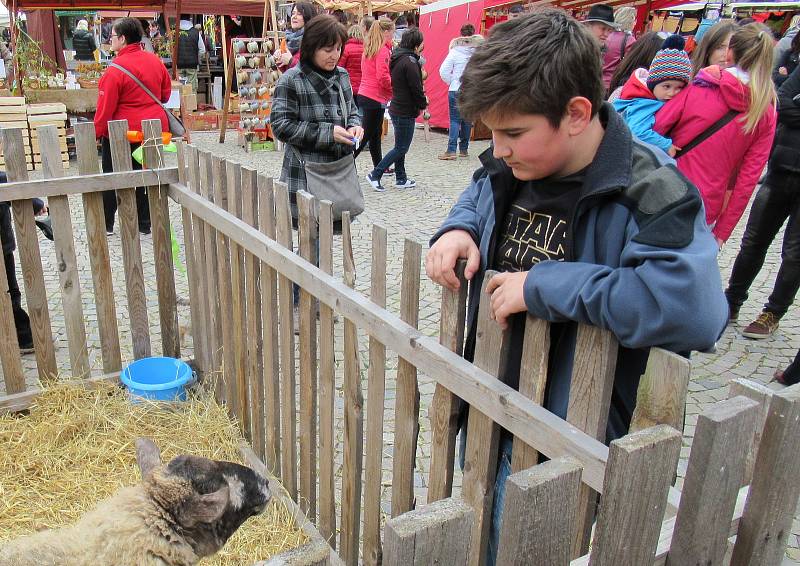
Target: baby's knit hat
{"x": 671, "y": 63}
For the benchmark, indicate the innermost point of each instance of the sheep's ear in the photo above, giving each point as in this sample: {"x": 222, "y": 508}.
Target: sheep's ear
{"x": 148, "y": 456}
{"x": 206, "y": 508}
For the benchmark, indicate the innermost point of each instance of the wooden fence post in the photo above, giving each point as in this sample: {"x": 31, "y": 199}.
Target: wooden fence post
{"x": 226, "y": 361}
{"x": 438, "y": 533}
{"x": 444, "y": 408}
{"x": 661, "y": 396}
{"x": 761, "y": 395}
{"x": 483, "y": 434}
{"x": 210, "y": 275}
{"x": 539, "y": 515}
{"x": 638, "y": 476}
{"x": 703, "y": 524}
{"x": 766, "y": 523}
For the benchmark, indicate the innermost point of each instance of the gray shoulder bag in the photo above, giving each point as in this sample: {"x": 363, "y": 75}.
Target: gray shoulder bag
{"x": 175, "y": 125}
{"x": 336, "y": 181}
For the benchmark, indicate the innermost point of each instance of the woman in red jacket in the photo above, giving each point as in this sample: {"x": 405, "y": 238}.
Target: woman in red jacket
{"x": 726, "y": 166}
{"x": 376, "y": 85}
{"x": 120, "y": 98}
{"x": 351, "y": 56}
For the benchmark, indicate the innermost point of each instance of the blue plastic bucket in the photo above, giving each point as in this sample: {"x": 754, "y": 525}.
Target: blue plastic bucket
{"x": 157, "y": 378}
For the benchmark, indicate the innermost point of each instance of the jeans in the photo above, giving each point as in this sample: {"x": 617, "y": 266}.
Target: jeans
{"x": 403, "y": 134}
{"x": 776, "y": 200}
{"x": 459, "y": 129}
{"x": 372, "y": 123}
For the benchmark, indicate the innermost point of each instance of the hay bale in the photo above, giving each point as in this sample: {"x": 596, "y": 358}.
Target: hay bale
{"x": 76, "y": 448}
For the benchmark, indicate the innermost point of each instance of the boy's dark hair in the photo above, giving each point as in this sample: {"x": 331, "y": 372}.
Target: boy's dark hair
{"x": 411, "y": 39}
{"x": 307, "y": 9}
{"x": 467, "y": 30}
{"x": 130, "y": 29}
{"x": 322, "y": 31}
{"x": 533, "y": 65}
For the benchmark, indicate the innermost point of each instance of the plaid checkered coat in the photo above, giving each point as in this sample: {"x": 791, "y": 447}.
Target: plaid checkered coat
{"x": 305, "y": 108}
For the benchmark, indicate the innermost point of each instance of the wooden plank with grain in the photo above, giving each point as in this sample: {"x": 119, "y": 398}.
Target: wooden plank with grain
{"x": 30, "y": 258}
{"x": 202, "y": 342}
{"x": 376, "y": 388}
{"x": 93, "y": 182}
{"x": 761, "y": 395}
{"x": 66, "y": 258}
{"x": 225, "y": 360}
{"x": 407, "y": 400}
{"x": 214, "y": 245}
{"x": 445, "y": 406}
{"x": 661, "y": 396}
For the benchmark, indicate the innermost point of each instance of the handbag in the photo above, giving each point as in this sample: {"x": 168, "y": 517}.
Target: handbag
{"x": 707, "y": 133}
{"x": 176, "y": 127}
{"x": 335, "y": 181}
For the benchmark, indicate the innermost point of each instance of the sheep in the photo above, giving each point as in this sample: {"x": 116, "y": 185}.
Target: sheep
{"x": 179, "y": 513}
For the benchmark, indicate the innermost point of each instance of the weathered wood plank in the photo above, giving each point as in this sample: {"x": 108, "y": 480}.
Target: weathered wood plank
{"x": 307, "y": 236}
{"x": 438, "y": 533}
{"x": 131, "y": 247}
{"x": 99, "y": 259}
{"x": 703, "y": 524}
{"x": 406, "y": 408}
{"x": 551, "y": 435}
{"x": 216, "y": 245}
{"x": 766, "y": 523}
{"x": 640, "y": 469}
{"x": 202, "y": 342}
{"x": 589, "y": 402}
{"x": 483, "y": 434}
{"x": 288, "y": 385}
{"x": 661, "y": 396}
{"x": 353, "y": 418}
{"x": 532, "y": 382}
{"x": 269, "y": 323}
{"x": 30, "y": 258}
{"x": 92, "y": 182}
{"x": 376, "y": 389}
{"x": 225, "y": 288}
{"x": 444, "y": 407}
{"x": 162, "y": 245}
{"x": 539, "y": 515}
{"x": 761, "y": 395}
{"x": 69, "y": 280}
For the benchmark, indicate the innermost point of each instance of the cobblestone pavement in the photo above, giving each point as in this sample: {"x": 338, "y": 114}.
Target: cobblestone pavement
{"x": 415, "y": 214}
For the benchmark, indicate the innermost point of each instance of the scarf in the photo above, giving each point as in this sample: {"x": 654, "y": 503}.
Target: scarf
{"x": 293, "y": 39}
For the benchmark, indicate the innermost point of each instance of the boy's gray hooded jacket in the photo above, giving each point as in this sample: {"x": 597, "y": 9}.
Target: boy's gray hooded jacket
{"x": 641, "y": 263}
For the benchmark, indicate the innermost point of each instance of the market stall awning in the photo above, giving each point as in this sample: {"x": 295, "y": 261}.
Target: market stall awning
{"x": 224, "y": 7}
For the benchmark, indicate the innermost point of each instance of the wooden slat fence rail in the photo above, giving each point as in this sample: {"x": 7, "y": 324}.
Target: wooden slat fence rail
{"x": 242, "y": 271}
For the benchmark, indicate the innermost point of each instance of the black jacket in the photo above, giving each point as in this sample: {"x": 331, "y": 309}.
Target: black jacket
{"x": 188, "y": 49}
{"x": 84, "y": 45}
{"x": 786, "y": 148}
{"x": 408, "y": 97}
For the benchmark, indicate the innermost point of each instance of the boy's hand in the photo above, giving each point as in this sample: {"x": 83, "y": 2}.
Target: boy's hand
{"x": 441, "y": 260}
{"x": 508, "y": 295}
{"x": 673, "y": 150}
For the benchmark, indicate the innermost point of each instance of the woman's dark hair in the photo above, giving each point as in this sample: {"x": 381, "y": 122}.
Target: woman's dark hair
{"x": 468, "y": 30}
{"x": 130, "y": 29}
{"x": 322, "y": 31}
{"x": 341, "y": 17}
{"x": 401, "y": 21}
{"x": 640, "y": 55}
{"x": 307, "y": 9}
{"x": 412, "y": 38}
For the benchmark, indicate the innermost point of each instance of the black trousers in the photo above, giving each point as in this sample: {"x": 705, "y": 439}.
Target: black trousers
{"x": 777, "y": 200}
{"x": 792, "y": 373}
{"x": 373, "y": 125}
{"x": 110, "y": 197}
{"x": 22, "y": 322}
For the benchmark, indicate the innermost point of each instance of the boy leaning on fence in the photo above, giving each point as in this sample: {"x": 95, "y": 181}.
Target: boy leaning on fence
{"x": 586, "y": 224}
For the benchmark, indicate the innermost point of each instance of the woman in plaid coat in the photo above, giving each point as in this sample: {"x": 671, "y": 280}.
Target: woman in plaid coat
{"x": 306, "y": 107}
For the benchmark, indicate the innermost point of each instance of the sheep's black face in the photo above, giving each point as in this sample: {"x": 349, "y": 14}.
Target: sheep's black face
{"x": 226, "y": 495}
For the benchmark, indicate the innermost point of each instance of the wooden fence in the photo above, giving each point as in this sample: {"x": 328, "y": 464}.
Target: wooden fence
{"x": 239, "y": 249}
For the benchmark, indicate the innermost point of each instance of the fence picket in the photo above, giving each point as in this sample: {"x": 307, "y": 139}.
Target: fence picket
{"x": 66, "y": 258}
{"x": 30, "y": 259}
{"x": 438, "y": 533}
{"x": 222, "y": 321}
{"x": 225, "y": 286}
{"x": 661, "y": 395}
{"x": 353, "y": 418}
{"x": 210, "y": 277}
{"x": 376, "y": 389}
{"x": 131, "y": 246}
{"x": 444, "y": 407}
{"x": 761, "y": 395}
{"x": 539, "y": 515}
{"x": 703, "y": 524}
{"x": 640, "y": 469}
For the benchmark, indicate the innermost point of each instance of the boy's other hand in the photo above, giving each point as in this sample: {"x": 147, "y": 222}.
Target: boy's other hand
{"x": 508, "y": 295}
{"x": 441, "y": 260}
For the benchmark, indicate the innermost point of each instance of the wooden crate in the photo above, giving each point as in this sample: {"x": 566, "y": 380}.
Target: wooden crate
{"x": 47, "y": 114}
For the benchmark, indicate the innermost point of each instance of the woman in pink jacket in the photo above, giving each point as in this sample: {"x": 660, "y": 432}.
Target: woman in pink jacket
{"x": 726, "y": 166}
{"x": 375, "y": 90}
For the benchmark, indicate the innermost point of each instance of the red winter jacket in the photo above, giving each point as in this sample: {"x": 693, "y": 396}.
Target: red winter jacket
{"x": 122, "y": 99}
{"x": 351, "y": 61}
{"x": 376, "y": 79}
{"x": 728, "y": 160}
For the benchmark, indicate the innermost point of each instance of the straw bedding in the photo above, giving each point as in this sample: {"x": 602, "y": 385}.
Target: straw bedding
{"x": 76, "y": 448}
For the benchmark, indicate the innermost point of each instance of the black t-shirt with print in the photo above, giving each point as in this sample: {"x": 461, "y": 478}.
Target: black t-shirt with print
{"x": 534, "y": 229}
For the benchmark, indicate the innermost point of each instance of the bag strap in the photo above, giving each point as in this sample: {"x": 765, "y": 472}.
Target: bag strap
{"x": 624, "y": 45}
{"x": 140, "y": 83}
{"x": 708, "y": 132}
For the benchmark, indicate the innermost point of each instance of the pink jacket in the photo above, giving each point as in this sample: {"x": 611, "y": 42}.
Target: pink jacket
{"x": 376, "y": 80}
{"x": 729, "y": 160}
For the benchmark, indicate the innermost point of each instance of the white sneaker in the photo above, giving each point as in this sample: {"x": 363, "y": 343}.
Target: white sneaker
{"x": 375, "y": 184}
{"x": 407, "y": 184}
